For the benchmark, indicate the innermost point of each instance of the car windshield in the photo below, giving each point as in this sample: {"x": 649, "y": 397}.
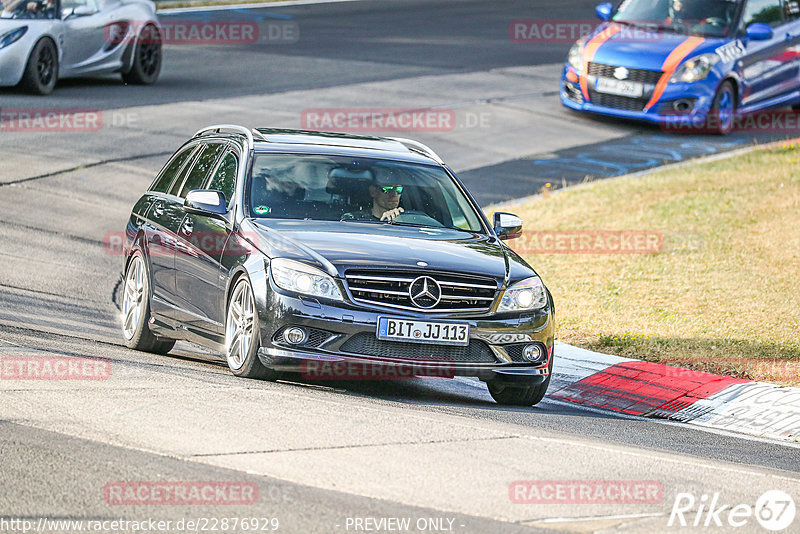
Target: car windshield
{"x": 357, "y": 190}
{"x": 712, "y": 18}
{"x": 28, "y": 9}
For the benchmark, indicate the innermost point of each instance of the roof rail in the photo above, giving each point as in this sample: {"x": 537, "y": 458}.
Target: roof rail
{"x": 233, "y": 127}
{"x": 418, "y": 147}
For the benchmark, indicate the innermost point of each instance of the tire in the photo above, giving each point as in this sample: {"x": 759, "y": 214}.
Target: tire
{"x": 41, "y": 71}
{"x": 510, "y": 395}
{"x": 242, "y": 334}
{"x": 136, "y": 309}
{"x": 723, "y": 109}
{"x": 146, "y": 63}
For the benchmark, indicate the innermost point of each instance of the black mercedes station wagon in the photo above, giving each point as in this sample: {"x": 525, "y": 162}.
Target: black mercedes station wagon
{"x": 336, "y": 256}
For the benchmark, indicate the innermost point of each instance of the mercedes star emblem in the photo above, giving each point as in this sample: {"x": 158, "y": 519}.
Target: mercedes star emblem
{"x": 425, "y": 292}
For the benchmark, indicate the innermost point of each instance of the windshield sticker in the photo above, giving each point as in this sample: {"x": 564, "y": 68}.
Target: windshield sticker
{"x": 731, "y": 51}
{"x": 262, "y": 210}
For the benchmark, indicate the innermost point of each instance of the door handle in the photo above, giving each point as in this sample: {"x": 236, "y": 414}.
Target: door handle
{"x": 158, "y": 209}
{"x": 187, "y": 227}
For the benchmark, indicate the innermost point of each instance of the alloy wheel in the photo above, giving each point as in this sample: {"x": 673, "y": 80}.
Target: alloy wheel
{"x": 239, "y": 325}
{"x": 133, "y": 298}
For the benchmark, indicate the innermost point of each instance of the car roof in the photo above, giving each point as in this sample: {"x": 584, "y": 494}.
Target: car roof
{"x": 280, "y": 140}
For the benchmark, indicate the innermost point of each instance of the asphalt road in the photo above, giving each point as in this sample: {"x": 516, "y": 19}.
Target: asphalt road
{"x": 319, "y": 453}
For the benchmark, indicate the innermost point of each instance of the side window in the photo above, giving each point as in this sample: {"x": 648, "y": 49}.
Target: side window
{"x": 224, "y": 178}
{"x": 163, "y": 181}
{"x": 764, "y": 11}
{"x": 791, "y": 9}
{"x": 202, "y": 166}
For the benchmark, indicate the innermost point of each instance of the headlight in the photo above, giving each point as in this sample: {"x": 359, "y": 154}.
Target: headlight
{"x": 695, "y": 69}
{"x": 528, "y": 294}
{"x": 575, "y": 58}
{"x": 12, "y": 37}
{"x": 301, "y": 278}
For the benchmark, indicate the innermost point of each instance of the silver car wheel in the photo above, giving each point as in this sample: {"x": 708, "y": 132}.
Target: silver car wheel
{"x": 133, "y": 298}
{"x": 239, "y": 325}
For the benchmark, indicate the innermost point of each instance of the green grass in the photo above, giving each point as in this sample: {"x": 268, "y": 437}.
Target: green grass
{"x": 723, "y": 295}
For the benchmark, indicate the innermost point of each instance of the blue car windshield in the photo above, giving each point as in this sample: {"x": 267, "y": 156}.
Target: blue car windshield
{"x": 357, "y": 190}
{"x": 708, "y": 18}
{"x": 29, "y": 9}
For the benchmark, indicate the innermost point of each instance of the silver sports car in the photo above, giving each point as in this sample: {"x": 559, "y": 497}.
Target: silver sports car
{"x": 42, "y": 41}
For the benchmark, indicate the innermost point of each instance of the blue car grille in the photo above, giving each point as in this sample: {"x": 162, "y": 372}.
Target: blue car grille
{"x": 618, "y": 102}
{"x": 634, "y": 75}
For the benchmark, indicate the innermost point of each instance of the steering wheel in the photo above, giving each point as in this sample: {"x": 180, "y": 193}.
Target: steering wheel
{"x": 417, "y": 217}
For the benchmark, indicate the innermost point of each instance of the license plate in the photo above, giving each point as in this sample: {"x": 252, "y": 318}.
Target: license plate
{"x": 619, "y": 87}
{"x": 423, "y": 331}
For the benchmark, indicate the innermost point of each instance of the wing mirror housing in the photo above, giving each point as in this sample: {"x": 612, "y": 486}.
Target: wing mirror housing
{"x": 507, "y": 226}
{"x": 604, "y": 10}
{"x": 759, "y": 32}
{"x": 206, "y": 202}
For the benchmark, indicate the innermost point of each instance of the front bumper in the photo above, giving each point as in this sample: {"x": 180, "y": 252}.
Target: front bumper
{"x": 342, "y": 343}
{"x": 663, "y": 112}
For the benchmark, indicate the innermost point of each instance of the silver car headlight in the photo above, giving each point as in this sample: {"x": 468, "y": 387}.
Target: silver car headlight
{"x": 695, "y": 69}
{"x": 301, "y": 278}
{"x": 12, "y": 37}
{"x": 529, "y": 294}
{"x": 575, "y": 57}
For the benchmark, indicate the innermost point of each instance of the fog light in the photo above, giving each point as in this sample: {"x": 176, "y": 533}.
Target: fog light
{"x": 295, "y": 335}
{"x": 533, "y": 353}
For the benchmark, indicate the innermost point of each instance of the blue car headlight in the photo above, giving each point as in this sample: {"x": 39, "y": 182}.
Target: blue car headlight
{"x": 575, "y": 57}
{"x": 695, "y": 69}
{"x": 12, "y": 37}
{"x": 529, "y": 294}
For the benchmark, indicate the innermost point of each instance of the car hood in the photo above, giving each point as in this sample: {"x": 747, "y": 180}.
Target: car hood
{"x": 338, "y": 246}
{"x": 647, "y": 50}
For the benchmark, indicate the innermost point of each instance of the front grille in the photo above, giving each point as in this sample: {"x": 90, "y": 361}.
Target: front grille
{"x": 367, "y": 344}
{"x": 618, "y": 102}
{"x": 459, "y": 293}
{"x": 634, "y": 75}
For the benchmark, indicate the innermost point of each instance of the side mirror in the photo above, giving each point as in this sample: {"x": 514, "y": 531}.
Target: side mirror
{"x": 507, "y": 226}
{"x": 206, "y": 202}
{"x": 759, "y": 32}
{"x": 604, "y": 10}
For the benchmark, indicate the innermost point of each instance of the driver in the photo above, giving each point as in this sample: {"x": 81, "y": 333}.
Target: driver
{"x": 677, "y": 11}
{"x": 32, "y": 8}
{"x": 385, "y": 204}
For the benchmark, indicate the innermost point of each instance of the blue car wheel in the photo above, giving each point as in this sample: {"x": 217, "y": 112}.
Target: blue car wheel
{"x": 723, "y": 109}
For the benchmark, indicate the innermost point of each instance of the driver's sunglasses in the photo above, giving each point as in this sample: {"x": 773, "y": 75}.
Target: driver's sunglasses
{"x": 389, "y": 188}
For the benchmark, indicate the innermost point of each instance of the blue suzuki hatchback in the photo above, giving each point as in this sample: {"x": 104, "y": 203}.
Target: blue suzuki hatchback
{"x": 687, "y": 61}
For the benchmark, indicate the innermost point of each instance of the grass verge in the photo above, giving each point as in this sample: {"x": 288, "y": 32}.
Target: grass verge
{"x": 177, "y": 4}
{"x": 723, "y": 293}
